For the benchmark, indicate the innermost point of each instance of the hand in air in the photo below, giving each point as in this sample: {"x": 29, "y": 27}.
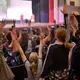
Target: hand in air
{"x": 2, "y": 24}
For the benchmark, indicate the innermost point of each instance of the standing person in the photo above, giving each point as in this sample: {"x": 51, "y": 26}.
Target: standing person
{"x": 5, "y": 72}
{"x": 12, "y": 55}
{"x": 57, "y": 58}
{"x": 22, "y": 18}
{"x": 34, "y": 64}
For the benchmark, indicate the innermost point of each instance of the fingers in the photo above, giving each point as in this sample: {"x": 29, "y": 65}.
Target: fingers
{"x": 3, "y": 22}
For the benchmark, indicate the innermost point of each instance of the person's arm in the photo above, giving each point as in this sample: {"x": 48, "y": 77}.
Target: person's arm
{"x": 41, "y": 45}
{"x": 70, "y": 54}
{"x": 22, "y": 54}
{"x": 20, "y": 36}
{"x": 40, "y": 50}
{"x": 75, "y": 13}
{"x": 2, "y": 24}
{"x": 12, "y": 42}
{"x": 73, "y": 29}
{"x": 64, "y": 11}
{"x": 48, "y": 38}
{"x": 20, "y": 50}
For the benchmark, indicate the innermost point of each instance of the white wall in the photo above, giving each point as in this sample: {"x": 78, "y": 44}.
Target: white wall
{"x": 77, "y": 2}
{"x": 58, "y": 16}
{"x": 56, "y": 10}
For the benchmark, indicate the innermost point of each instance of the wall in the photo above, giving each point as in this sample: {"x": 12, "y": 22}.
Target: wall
{"x": 41, "y": 10}
{"x": 56, "y": 10}
{"x": 36, "y": 9}
{"x": 44, "y": 10}
{"x": 60, "y": 14}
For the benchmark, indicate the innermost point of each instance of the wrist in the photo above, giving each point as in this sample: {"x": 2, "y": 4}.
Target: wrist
{"x": 41, "y": 44}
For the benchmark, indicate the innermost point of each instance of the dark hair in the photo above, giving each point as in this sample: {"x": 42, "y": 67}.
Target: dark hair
{"x": 24, "y": 41}
{"x": 77, "y": 34}
{"x": 52, "y": 33}
{"x": 12, "y": 28}
{"x": 9, "y": 38}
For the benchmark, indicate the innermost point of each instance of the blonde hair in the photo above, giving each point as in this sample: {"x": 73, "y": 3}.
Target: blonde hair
{"x": 34, "y": 62}
{"x": 68, "y": 45}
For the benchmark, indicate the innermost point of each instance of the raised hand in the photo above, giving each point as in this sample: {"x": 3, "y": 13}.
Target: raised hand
{"x": 2, "y": 24}
{"x": 49, "y": 28}
{"x": 42, "y": 36}
{"x": 64, "y": 11}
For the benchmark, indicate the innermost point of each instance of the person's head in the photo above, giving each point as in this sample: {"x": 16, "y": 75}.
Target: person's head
{"x": 61, "y": 34}
{"x": 33, "y": 58}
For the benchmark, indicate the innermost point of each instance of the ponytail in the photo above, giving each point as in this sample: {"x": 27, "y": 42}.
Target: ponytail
{"x": 33, "y": 68}
{"x": 68, "y": 45}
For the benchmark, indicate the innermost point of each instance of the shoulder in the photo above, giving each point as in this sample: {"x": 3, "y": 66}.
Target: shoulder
{"x": 53, "y": 46}
{"x": 27, "y": 63}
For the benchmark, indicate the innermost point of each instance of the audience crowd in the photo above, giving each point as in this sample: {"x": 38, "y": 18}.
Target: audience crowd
{"x": 31, "y": 54}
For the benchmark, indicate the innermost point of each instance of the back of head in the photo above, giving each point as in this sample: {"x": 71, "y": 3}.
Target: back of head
{"x": 61, "y": 34}
{"x": 34, "y": 62}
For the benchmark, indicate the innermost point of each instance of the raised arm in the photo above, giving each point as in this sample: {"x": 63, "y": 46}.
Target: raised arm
{"x": 41, "y": 45}
{"x": 20, "y": 50}
{"x": 20, "y": 36}
{"x": 2, "y": 24}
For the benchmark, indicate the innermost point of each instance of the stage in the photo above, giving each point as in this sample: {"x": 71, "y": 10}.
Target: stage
{"x": 34, "y": 25}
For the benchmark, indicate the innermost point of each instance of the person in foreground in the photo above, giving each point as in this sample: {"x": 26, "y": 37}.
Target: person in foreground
{"x": 57, "y": 58}
{"x": 34, "y": 64}
{"x": 5, "y": 71}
